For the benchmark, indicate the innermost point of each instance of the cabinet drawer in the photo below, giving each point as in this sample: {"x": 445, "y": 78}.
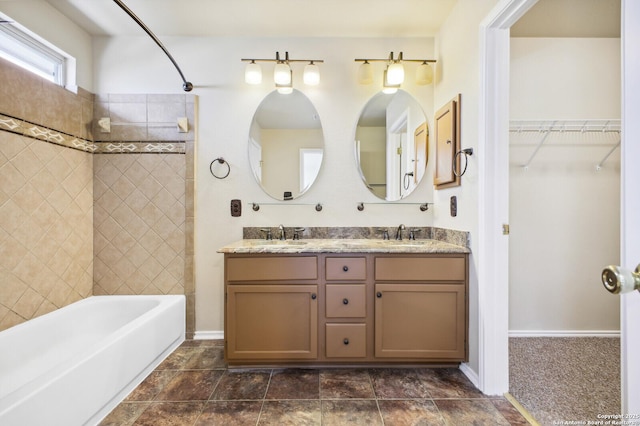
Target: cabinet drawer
{"x": 420, "y": 269}
{"x": 346, "y": 340}
{"x": 272, "y": 268}
{"x": 346, "y": 268}
{"x": 346, "y": 301}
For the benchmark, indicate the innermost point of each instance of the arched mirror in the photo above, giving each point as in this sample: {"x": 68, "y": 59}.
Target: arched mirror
{"x": 392, "y": 145}
{"x": 286, "y": 145}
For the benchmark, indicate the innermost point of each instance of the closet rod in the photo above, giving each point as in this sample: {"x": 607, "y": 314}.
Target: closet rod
{"x": 586, "y": 125}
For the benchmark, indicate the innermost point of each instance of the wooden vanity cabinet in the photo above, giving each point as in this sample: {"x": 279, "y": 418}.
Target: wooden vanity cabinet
{"x": 344, "y": 309}
{"x": 421, "y": 307}
{"x": 271, "y": 308}
{"x": 347, "y": 331}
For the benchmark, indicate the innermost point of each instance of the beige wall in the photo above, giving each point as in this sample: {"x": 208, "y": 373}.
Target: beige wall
{"x": 458, "y": 72}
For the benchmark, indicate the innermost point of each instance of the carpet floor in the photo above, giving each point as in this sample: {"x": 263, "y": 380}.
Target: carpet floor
{"x": 565, "y": 379}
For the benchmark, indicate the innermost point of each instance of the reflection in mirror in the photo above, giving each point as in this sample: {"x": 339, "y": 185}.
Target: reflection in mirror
{"x": 286, "y": 145}
{"x": 392, "y": 145}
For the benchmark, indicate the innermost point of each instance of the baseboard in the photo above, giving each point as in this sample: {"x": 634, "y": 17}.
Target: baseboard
{"x": 471, "y": 375}
{"x": 208, "y": 335}
{"x": 564, "y": 333}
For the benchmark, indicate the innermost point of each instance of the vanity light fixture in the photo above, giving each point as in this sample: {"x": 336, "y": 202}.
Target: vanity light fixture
{"x": 253, "y": 73}
{"x": 395, "y": 70}
{"x": 424, "y": 74}
{"x": 394, "y": 73}
{"x": 311, "y": 76}
{"x": 365, "y": 73}
{"x": 387, "y": 88}
{"x": 282, "y": 72}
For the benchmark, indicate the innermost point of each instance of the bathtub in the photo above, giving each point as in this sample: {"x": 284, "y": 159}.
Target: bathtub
{"x": 74, "y": 365}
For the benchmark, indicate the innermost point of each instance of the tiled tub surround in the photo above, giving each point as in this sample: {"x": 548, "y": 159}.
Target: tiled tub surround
{"x": 139, "y": 223}
{"x": 47, "y": 195}
{"x": 46, "y": 227}
{"x": 194, "y": 387}
{"x": 144, "y": 197}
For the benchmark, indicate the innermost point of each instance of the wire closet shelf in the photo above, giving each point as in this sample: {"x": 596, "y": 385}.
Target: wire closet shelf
{"x": 592, "y": 127}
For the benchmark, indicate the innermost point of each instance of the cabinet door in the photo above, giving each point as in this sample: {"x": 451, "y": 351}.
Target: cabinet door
{"x": 272, "y": 322}
{"x": 420, "y": 321}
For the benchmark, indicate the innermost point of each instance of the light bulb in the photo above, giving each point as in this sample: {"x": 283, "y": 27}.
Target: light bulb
{"x": 282, "y": 74}
{"x": 365, "y": 73}
{"x": 387, "y": 88}
{"x": 395, "y": 73}
{"x": 253, "y": 73}
{"x": 311, "y": 74}
{"x": 424, "y": 74}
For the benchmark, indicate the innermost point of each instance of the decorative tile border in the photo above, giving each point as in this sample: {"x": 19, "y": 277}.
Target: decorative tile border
{"x": 45, "y": 134}
{"x": 165, "y": 147}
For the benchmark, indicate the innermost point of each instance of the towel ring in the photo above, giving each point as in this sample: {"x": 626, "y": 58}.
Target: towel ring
{"x": 467, "y": 152}
{"x": 221, "y": 161}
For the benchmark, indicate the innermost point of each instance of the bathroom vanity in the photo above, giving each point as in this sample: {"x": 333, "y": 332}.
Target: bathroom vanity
{"x": 345, "y": 301}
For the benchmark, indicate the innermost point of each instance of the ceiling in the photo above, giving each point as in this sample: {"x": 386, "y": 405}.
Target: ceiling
{"x": 570, "y": 18}
{"x": 262, "y": 18}
{"x": 327, "y": 18}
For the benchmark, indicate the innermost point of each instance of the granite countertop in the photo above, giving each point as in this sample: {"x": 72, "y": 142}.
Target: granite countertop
{"x": 338, "y": 245}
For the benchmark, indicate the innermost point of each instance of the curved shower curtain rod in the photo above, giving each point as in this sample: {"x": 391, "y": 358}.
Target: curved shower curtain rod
{"x": 186, "y": 85}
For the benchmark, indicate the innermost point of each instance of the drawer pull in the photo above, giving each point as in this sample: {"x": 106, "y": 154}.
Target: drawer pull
{"x": 345, "y": 268}
{"x": 313, "y": 296}
{"x": 378, "y": 294}
{"x": 345, "y": 341}
{"x": 345, "y": 301}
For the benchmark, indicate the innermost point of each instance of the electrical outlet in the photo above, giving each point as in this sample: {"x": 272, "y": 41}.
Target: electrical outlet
{"x": 453, "y": 204}
{"x": 236, "y": 208}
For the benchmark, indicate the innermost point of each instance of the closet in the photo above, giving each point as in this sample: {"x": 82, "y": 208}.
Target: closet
{"x": 564, "y": 222}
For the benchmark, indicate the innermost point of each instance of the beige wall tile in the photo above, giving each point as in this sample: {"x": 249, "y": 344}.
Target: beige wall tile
{"x": 74, "y": 224}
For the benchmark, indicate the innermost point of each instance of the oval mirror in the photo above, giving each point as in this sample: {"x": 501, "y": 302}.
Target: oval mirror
{"x": 286, "y": 144}
{"x": 392, "y": 145}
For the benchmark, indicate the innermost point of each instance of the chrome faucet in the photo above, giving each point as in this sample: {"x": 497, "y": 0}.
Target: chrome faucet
{"x": 399, "y": 232}
{"x": 281, "y": 233}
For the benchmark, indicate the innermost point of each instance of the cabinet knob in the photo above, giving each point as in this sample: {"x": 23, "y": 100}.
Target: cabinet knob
{"x": 345, "y": 341}
{"x": 345, "y": 301}
{"x": 345, "y": 268}
{"x": 378, "y": 294}
{"x": 313, "y": 296}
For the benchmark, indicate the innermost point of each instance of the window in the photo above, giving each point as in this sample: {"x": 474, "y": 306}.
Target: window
{"x": 24, "y": 49}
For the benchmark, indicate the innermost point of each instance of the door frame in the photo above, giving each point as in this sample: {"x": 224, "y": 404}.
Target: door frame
{"x": 494, "y": 199}
{"x": 493, "y": 191}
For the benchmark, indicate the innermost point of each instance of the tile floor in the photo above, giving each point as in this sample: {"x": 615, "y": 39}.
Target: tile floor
{"x": 194, "y": 387}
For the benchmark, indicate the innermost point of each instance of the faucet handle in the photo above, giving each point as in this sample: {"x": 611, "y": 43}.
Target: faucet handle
{"x": 412, "y": 233}
{"x": 296, "y": 233}
{"x": 267, "y": 232}
{"x": 385, "y": 233}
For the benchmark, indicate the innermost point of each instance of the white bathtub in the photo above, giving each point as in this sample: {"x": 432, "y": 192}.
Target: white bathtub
{"x": 74, "y": 365}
